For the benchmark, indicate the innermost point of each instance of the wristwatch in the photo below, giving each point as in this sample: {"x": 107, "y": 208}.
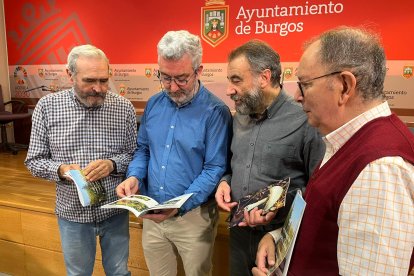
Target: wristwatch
{"x": 114, "y": 166}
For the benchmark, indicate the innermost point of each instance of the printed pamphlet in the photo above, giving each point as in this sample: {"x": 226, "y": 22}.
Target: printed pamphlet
{"x": 90, "y": 193}
{"x": 269, "y": 199}
{"x": 285, "y": 244}
{"x": 140, "y": 204}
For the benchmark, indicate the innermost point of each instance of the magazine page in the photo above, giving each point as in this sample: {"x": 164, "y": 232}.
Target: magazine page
{"x": 140, "y": 204}
{"x": 173, "y": 203}
{"x": 90, "y": 193}
{"x": 137, "y": 204}
{"x": 269, "y": 199}
{"x": 284, "y": 246}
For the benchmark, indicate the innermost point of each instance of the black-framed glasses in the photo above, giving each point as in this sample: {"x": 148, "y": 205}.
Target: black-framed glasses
{"x": 166, "y": 80}
{"x": 301, "y": 83}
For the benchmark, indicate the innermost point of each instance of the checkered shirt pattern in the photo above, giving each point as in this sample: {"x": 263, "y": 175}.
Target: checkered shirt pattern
{"x": 380, "y": 201}
{"x": 64, "y": 131}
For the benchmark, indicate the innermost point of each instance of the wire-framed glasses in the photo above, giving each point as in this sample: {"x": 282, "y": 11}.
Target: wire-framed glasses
{"x": 301, "y": 83}
{"x": 166, "y": 80}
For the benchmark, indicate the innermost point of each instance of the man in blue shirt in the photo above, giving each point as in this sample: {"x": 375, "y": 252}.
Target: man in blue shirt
{"x": 183, "y": 145}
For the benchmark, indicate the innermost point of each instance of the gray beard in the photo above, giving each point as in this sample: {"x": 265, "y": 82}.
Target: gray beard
{"x": 84, "y": 98}
{"x": 251, "y": 103}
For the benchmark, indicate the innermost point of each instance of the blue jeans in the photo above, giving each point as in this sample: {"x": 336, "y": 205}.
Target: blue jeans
{"x": 79, "y": 245}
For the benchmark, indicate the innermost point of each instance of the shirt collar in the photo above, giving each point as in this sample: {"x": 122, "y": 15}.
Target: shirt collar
{"x": 272, "y": 109}
{"x": 277, "y": 103}
{"x": 337, "y": 138}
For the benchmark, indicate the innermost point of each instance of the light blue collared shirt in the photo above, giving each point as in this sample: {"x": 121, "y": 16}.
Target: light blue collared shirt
{"x": 182, "y": 149}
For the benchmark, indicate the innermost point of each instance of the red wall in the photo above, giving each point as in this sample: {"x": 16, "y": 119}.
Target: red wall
{"x": 43, "y": 31}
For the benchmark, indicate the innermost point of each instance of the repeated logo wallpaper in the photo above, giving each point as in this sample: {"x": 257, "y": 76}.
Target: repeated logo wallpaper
{"x": 40, "y": 34}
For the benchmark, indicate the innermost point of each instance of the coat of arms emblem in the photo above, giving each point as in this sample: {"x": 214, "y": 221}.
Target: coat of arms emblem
{"x": 408, "y": 71}
{"x": 214, "y": 22}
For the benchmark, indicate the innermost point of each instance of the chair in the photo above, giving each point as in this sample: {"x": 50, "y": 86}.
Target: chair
{"x": 7, "y": 117}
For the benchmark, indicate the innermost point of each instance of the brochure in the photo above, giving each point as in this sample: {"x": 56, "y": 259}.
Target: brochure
{"x": 285, "y": 244}
{"x": 269, "y": 199}
{"x": 140, "y": 204}
{"x": 90, "y": 193}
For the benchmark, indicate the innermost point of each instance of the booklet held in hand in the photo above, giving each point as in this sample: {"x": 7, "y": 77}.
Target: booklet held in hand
{"x": 90, "y": 193}
{"x": 140, "y": 204}
{"x": 287, "y": 237}
{"x": 269, "y": 199}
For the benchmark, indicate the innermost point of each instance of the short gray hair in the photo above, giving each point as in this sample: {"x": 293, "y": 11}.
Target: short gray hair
{"x": 359, "y": 51}
{"x": 86, "y": 50}
{"x": 174, "y": 44}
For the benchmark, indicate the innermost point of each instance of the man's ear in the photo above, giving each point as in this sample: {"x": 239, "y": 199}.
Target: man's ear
{"x": 348, "y": 86}
{"x": 70, "y": 75}
{"x": 199, "y": 70}
{"x": 265, "y": 78}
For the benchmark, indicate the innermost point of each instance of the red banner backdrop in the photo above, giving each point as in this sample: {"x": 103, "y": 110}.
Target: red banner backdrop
{"x": 40, "y": 34}
{"x": 43, "y": 31}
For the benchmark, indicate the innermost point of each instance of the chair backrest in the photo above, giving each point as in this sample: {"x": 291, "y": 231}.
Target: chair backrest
{"x": 2, "y": 108}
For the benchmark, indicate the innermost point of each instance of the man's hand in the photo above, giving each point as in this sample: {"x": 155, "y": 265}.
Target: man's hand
{"x": 265, "y": 256}
{"x": 128, "y": 187}
{"x": 258, "y": 272}
{"x": 64, "y": 168}
{"x": 223, "y": 197}
{"x": 161, "y": 215}
{"x": 98, "y": 169}
{"x": 255, "y": 217}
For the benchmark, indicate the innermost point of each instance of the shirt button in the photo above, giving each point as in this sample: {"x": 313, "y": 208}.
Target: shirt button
{"x": 245, "y": 189}
{"x": 163, "y": 167}
{"x": 248, "y": 166}
{"x": 172, "y": 126}
{"x": 167, "y": 146}
{"x": 251, "y": 144}
{"x": 161, "y": 188}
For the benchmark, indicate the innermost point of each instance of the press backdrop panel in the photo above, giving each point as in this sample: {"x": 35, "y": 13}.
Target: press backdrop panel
{"x": 40, "y": 34}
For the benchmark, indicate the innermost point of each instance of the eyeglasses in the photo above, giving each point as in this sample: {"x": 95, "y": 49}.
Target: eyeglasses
{"x": 301, "y": 83}
{"x": 166, "y": 80}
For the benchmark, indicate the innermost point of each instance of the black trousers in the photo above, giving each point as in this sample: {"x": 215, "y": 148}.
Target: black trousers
{"x": 243, "y": 247}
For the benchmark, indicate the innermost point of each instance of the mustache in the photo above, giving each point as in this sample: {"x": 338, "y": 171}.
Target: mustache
{"x": 177, "y": 93}
{"x": 95, "y": 94}
{"x": 235, "y": 97}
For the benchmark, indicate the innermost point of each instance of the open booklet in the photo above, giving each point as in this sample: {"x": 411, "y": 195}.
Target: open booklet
{"x": 90, "y": 193}
{"x": 140, "y": 204}
{"x": 269, "y": 199}
{"x": 285, "y": 244}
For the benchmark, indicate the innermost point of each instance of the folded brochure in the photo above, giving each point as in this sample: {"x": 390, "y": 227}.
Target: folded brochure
{"x": 89, "y": 193}
{"x": 268, "y": 198}
{"x": 140, "y": 204}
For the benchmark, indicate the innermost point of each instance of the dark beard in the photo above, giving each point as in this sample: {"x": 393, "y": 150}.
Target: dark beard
{"x": 251, "y": 102}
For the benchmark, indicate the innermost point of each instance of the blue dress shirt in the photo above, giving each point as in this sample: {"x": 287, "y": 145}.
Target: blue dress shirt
{"x": 182, "y": 149}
